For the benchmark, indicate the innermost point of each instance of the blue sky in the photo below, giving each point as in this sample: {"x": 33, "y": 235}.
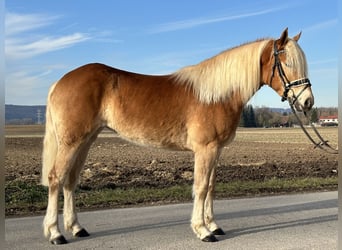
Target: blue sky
{"x": 46, "y": 39}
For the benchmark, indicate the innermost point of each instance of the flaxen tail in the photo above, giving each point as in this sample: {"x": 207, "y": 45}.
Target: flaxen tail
{"x": 50, "y": 144}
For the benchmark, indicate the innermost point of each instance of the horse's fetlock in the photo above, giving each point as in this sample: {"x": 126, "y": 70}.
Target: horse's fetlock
{"x": 68, "y": 227}
{"x": 200, "y": 230}
{"x": 46, "y": 232}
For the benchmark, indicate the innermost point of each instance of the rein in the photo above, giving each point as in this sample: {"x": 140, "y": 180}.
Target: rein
{"x": 321, "y": 144}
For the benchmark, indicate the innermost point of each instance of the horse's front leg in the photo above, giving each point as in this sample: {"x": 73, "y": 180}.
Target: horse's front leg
{"x": 208, "y": 206}
{"x": 205, "y": 158}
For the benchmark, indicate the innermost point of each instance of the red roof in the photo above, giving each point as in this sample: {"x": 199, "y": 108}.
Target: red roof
{"x": 330, "y": 117}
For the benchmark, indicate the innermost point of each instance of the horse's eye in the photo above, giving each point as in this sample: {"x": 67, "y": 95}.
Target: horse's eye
{"x": 289, "y": 65}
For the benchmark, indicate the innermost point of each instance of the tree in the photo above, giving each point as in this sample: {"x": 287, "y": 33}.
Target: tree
{"x": 248, "y": 117}
{"x": 276, "y": 120}
{"x": 314, "y": 115}
{"x": 266, "y": 117}
{"x": 263, "y": 116}
{"x": 251, "y": 117}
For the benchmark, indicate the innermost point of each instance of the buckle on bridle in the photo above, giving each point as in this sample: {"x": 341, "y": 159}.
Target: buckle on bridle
{"x": 295, "y": 83}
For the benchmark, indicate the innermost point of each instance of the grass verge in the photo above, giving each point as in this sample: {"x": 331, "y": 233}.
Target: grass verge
{"x": 31, "y": 199}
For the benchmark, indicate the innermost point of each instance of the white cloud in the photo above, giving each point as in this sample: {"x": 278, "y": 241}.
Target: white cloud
{"x": 16, "y": 48}
{"x": 20, "y": 44}
{"x": 27, "y": 36}
{"x": 321, "y": 25}
{"x": 26, "y": 88}
{"x": 191, "y": 23}
{"x": 18, "y": 23}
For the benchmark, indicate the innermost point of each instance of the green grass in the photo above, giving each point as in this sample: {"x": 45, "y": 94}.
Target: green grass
{"x": 29, "y": 199}
{"x": 24, "y": 198}
{"x": 274, "y": 186}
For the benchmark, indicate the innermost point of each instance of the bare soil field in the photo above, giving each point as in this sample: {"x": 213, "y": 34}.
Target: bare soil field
{"x": 256, "y": 154}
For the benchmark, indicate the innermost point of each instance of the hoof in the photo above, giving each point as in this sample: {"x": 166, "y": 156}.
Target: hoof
{"x": 59, "y": 240}
{"x": 218, "y": 231}
{"x": 82, "y": 233}
{"x": 209, "y": 238}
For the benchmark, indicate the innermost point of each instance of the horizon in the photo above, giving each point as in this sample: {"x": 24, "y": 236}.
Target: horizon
{"x": 254, "y": 107}
{"x": 44, "y": 40}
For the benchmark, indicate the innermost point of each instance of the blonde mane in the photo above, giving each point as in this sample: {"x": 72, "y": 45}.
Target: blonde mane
{"x": 296, "y": 60}
{"x": 234, "y": 70}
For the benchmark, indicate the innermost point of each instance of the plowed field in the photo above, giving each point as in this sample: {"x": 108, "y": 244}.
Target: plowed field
{"x": 256, "y": 154}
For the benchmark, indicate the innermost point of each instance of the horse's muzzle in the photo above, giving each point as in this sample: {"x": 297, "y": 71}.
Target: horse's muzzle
{"x": 302, "y": 103}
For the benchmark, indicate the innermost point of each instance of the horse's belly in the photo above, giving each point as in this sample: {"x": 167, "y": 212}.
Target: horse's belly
{"x": 161, "y": 137}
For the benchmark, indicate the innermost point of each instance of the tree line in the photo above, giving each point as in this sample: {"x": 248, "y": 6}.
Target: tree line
{"x": 267, "y": 117}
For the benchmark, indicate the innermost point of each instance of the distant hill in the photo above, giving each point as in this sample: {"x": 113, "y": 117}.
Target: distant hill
{"x": 19, "y": 114}
{"x": 281, "y": 110}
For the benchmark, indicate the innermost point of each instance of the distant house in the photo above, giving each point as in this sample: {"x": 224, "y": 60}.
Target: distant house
{"x": 331, "y": 120}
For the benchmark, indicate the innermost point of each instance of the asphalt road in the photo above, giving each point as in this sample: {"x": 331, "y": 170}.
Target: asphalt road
{"x": 304, "y": 221}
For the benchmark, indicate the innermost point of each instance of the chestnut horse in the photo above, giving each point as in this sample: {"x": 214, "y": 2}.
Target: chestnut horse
{"x": 196, "y": 108}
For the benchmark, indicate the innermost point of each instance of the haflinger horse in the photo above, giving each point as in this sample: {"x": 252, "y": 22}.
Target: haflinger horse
{"x": 196, "y": 108}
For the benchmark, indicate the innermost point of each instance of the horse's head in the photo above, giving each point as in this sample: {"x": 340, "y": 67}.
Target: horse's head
{"x": 284, "y": 69}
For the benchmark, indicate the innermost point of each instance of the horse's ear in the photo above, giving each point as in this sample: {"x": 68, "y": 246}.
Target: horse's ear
{"x": 296, "y": 37}
{"x": 283, "y": 38}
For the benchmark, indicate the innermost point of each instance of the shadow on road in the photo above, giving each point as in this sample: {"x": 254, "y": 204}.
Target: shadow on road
{"x": 270, "y": 227}
{"x": 278, "y": 210}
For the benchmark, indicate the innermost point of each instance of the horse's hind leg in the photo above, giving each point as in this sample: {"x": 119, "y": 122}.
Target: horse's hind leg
{"x": 57, "y": 175}
{"x": 50, "y": 224}
{"x": 70, "y": 216}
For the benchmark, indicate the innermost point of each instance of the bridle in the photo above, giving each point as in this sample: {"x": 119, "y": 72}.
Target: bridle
{"x": 322, "y": 144}
{"x": 286, "y": 83}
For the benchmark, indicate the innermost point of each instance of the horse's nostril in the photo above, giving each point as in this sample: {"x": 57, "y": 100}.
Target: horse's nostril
{"x": 308, "y": 103}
